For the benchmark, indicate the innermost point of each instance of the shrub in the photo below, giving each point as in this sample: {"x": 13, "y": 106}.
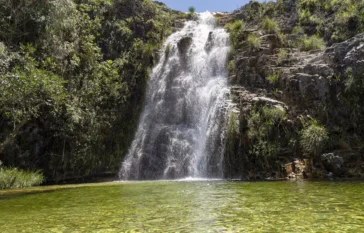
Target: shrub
{"x": 254, "y": 41}
{"x": 191, "y": 10}
{"x": 167, "y": 51}
{"x": 262, "y": 124}
{"x": 313, "y": 138}
{"x": 235, "y": 30}
{"x": 282, "y": 55}
{"x": 298, "y": 30}
{"x": 270, "y": 25}
{"x": 311, "y": 43}
{"x": 272, "y": 79}
{"x": 233, "y": 131}
{"x": 14, "y": 178}
{"x": 231, "y": 67}
{"x": 237, "y": 25}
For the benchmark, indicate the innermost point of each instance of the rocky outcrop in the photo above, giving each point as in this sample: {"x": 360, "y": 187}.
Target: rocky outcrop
{"x": 298, "y": 169}
{"x": 307, "y": 85}
{"x": 333, "y": 163}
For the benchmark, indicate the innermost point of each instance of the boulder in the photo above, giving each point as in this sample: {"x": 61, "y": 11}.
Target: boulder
{"x": 333, "y": 163}
{"x": 297, "y": 169}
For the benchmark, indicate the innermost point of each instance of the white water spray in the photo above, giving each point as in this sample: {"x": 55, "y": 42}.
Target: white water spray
{"x": 181, "y": 130}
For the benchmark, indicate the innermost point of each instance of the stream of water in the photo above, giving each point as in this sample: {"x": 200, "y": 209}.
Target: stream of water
{"x": 181, "y": 130}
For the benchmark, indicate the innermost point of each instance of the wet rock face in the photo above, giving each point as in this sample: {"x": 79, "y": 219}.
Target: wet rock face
{"x": 209, "y": 43}
{"x": 184, "y": 45}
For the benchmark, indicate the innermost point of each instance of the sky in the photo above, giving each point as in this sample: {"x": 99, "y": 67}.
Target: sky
{"x": 205, "y": 5}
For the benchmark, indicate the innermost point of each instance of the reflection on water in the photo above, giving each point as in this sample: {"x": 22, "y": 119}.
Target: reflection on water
{"x": 187, "y": 206}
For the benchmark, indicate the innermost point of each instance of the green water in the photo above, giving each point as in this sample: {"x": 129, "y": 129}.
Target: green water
{"x": 208, "y": 206}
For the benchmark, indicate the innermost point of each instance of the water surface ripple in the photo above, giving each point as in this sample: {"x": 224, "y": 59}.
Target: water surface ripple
{"x": 186, "y": 206}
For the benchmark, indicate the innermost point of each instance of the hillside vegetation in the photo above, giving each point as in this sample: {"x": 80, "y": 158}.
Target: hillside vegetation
{"x": 72, "y": 80}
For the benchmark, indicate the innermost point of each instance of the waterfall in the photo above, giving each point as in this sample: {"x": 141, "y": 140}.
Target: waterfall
{"x": 181, "y": 130}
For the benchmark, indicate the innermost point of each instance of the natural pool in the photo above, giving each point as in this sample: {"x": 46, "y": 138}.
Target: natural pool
{"x": 181, "y": 206}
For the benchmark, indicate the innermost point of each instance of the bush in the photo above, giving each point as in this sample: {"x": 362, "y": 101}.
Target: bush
{"x": 235, "y": 30}
{"x": 167, "y": 51}
{"x": 272, "y": 79}
{"x": 254, "y": 41}
{"x": 14, "y": 178}
{"x": 270, "y": 25}
{"x": 231, "y": 67}
{"x": 263, "y": 124}
{"x": 282, "y": 55}
{"x": 237, "y": 25}
{"x": 311, "y": 43}
{"x": 298, "y": 30}
{"x": 191, "y": 10}
{"x": 313, "y": 139}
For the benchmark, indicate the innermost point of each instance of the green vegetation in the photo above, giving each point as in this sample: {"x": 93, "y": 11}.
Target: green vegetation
{"x": 273, "y": 78}
{"x": 313, "y": 138}
{"x": 254, "y": 41}
{"x": 352, "y": 96}
{"x": 340, "y": 110}
{"x": 311, "y": 43}
{"x": 231, "y": 67}
{"x": 235, "y": 29}
{"x": 72, "y": 81}
{"x": 270, "y": 25}
{"x": 233, "y": 131}
{"x": 14, "y": 178}
{"x": 168, "y": 50}
{"x": 334, "y": 20}
{"x": 264, "y": 130}
{"x": 191, "y": 10}
{"x": 282, "y": 55}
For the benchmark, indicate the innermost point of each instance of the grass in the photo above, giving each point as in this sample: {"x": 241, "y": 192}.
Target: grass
{"x": 311, "y": 43}
{"x": 313, "y": 138}
{"x": 235, "y": 30}
{"x": 254, "y": 41}
{"x": 298, "y": 30}
{"x": 272, "y": 79}
{"x": 270, "y": 25}
{"x": 14, "y": 178}
{"x": 231, "y": 67}
{"x": 263, "y": 124}
{"x": 282, "y": 55}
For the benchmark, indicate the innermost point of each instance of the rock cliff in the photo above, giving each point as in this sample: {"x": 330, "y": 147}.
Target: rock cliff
{"x": 297, "y": 97}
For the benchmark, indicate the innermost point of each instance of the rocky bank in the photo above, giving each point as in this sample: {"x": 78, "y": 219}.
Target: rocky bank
{"x": 298, "y": 110}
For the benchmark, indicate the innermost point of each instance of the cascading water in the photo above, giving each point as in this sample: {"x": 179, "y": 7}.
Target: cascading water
{"x": 181, "y": 130}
